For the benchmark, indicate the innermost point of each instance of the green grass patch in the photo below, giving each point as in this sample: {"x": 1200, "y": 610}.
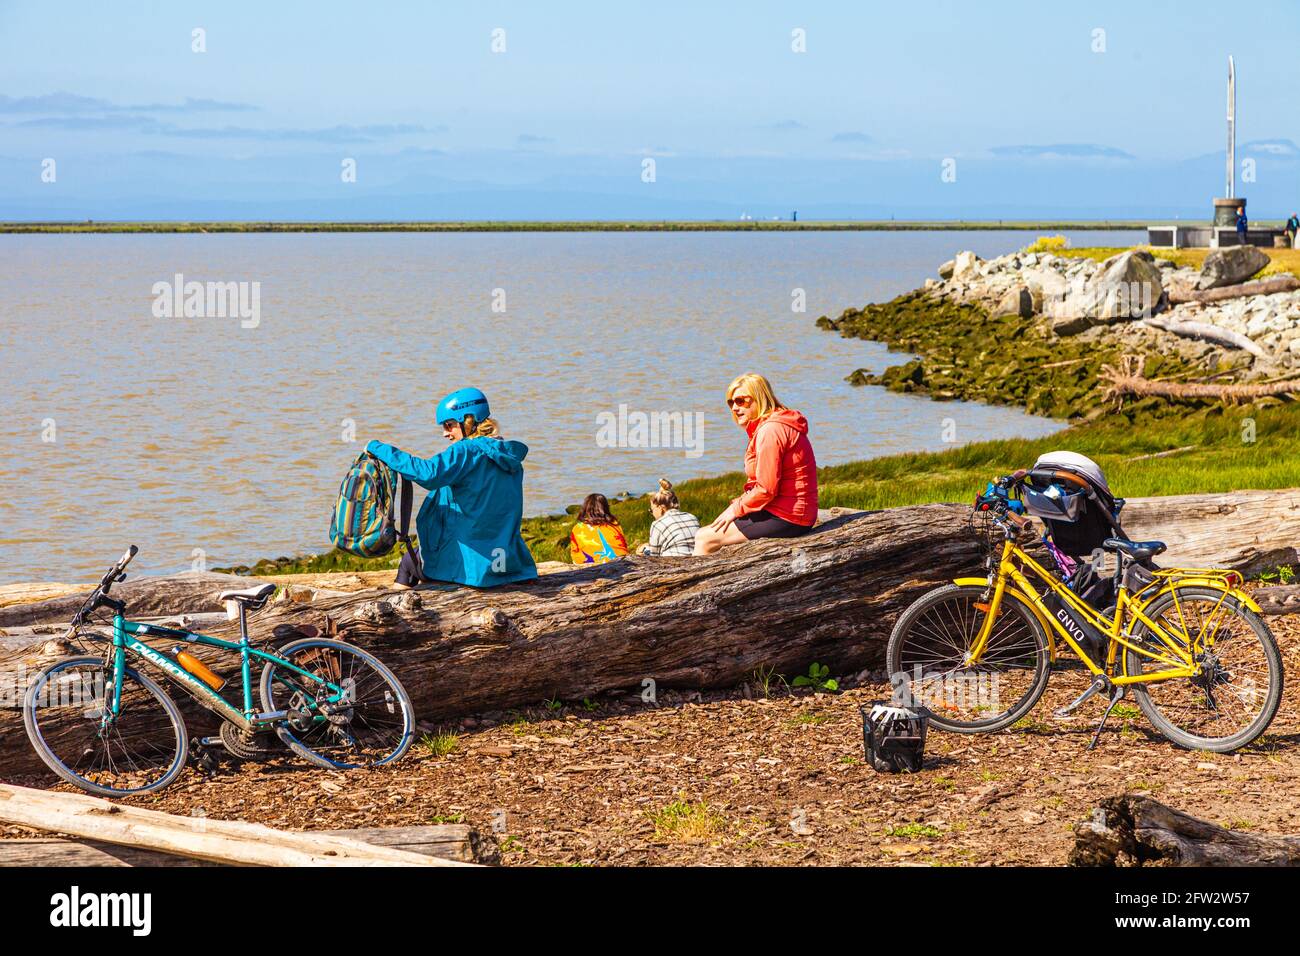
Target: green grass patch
{"x": 1281, "y": 261}
{"x": 682, "y": 820}
{"x": 1219, "y": 460}
{"x": 439, "y": 744}
{"x": 913, "y": 830}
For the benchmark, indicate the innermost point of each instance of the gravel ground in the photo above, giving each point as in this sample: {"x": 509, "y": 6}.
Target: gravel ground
{"x": 741, "y": 779}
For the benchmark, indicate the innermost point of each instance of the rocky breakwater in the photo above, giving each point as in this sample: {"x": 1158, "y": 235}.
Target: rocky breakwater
{"x": 1137, "y": 299}
{"x": 1048, "y": 332}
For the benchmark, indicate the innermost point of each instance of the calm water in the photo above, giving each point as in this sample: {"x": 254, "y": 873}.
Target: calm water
{"x": 180, "y": 434}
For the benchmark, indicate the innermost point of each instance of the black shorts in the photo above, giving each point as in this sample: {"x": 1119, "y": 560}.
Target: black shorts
{"x": 764, "y": 524}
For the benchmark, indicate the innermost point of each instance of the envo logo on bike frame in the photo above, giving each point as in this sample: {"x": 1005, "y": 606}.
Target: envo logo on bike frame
{"x": 1083, "y": 632}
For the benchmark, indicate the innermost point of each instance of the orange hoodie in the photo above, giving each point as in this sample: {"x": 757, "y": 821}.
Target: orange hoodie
{"x": 780, "y": 470}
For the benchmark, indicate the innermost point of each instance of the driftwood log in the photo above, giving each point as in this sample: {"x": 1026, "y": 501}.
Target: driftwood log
{"x": 448, "y": 841}
{"x": 218, "y": 841}
{"x": 1135, "y": 831}
{"x": 1206, "y": 331}
{"x": 1269, "y": 286}
{"x": 1281, "y": 599}
{"x": 1127, "y": 378}
{"x": 641, "y": 623}
{"x": 191, "y": 593}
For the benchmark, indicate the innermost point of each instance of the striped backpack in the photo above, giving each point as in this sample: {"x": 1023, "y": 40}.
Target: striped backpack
{"x": 364, "y": 521}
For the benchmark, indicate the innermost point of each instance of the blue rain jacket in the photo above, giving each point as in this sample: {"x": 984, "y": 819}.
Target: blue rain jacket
{"x": 469, "y": 523}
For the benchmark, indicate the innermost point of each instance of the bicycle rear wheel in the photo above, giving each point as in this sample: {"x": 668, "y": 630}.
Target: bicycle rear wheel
{"x": 371, "y": 726}
{"x": 928, "y": 654}
{"x": 141, "y": 749}
{"x": 1237, "y": 694}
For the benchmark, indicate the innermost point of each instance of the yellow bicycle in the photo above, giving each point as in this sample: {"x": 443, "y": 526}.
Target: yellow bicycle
{"x": 1188, "y": 642}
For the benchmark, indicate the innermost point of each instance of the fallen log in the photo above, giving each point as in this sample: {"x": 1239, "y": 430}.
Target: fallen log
{"x": 1126, "y": 378}
{"x": 1280, "y": 599}
{"x": 1270, "y": 286}
{"x": 1247, "y": 531}
{"x": 218, "y": 841}
{"x": 1205, "y": 331}
{"x": 1135, "y": 831}
{"x": 831, "y": 597}
{"x": 192, "y": 592}
{"x": 448, "y": 841}
{"x": 22, "y": 636}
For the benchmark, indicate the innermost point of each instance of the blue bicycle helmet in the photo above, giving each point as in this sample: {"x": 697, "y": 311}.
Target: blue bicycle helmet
{"x": 462, "y": 402}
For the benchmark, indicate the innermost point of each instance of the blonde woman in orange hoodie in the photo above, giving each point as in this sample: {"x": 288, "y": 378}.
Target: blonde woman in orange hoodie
{"x": 780, "y": 496}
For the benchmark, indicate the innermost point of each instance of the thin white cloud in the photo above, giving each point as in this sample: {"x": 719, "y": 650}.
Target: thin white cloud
{"x": 1062, "y": 151}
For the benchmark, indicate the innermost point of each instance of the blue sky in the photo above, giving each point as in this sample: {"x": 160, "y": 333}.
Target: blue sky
{"x": 1038, "y": 120}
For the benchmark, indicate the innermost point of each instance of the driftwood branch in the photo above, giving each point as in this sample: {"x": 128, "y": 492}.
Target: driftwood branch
{"x": 1132, "y": 830}
{"x": 219, "y": 841}
{"x": 1270, "y": 286}
{"x": 448, "y": 841}
{"x": 1205, "y": 331}
{"x": 1127, "y": 379}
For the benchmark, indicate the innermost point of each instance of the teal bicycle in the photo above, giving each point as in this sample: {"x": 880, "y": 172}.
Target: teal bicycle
{"x": 104, "y": 725}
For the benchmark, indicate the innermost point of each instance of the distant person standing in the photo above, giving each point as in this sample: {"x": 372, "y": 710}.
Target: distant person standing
{"x": 1242, "y": 224}
{"x": 1292, "y": 228}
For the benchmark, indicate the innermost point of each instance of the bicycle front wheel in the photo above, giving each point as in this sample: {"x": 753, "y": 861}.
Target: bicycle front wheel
{"x": 1236, "y": 695}
{"x": 68, "y": 715}
{"x": 929, "y": 655}
{"x": 373, "y": 722}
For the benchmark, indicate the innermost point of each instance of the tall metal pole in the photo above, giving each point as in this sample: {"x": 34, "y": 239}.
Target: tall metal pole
{"x": 1232, "y": 130}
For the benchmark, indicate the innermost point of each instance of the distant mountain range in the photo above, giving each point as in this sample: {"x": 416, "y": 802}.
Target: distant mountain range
{"x": 1015, "y": 182}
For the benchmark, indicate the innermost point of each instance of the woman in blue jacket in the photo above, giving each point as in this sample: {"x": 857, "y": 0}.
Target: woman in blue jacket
{"x": 469, "y": 523}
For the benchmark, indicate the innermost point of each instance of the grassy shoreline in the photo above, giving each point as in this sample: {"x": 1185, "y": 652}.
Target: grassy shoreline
{"x": 1150, "y": 447}
{"x": 631, "y": 225}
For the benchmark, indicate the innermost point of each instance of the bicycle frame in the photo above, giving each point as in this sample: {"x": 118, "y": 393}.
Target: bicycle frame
{"x": 125, "y": 640}
{"x": 1175, "y": 654}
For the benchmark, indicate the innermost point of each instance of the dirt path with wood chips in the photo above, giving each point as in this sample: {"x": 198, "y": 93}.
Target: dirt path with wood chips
{"x": 730, "y": 779}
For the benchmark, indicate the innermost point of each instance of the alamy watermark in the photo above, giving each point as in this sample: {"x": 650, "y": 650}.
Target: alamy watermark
{"x": 208, "y": 300}
{"x": 964, "y": 692}
{"x": 636, "y": 429}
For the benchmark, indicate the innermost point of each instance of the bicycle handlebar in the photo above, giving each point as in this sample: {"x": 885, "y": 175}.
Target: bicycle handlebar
{"x": 115, "y": 572}
{"x": 99, "y": 596}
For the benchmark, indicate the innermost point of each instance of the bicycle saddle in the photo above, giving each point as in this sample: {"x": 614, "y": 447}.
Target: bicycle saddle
{"x": 1137, "y": 550}
{"x": 251, "y": 597}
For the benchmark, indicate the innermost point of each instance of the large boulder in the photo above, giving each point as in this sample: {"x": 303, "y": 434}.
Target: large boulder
{"x": 1063, "y": 303}
{"x": 1018, "y": 301}
{"x": 1127, "y": 287}
{"x": 1179, "y": 283}
{"x": 1230, "y": 265}
{"x": 1070, "y": 323}
{"x": 945, "y": 270}
{"x": 965, "y": 265}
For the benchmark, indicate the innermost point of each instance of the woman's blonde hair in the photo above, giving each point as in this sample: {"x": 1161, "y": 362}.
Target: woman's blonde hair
{"x": 665, "y": 497}
{"x": 487, "y": 428}
{"x": 759, "y": 389}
